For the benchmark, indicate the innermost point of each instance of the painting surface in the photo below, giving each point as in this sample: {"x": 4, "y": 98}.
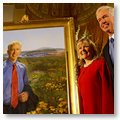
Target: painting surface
{"x": 43, "y": 53}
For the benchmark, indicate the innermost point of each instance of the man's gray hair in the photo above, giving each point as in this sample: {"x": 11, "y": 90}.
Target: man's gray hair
{"x": 109, "y": 8}
{"x": 14, "y": 43}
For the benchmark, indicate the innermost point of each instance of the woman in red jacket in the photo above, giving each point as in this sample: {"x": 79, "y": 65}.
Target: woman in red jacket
{"x": 94, "y": 80}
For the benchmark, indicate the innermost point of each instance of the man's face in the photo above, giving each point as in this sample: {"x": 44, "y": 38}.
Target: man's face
{"x": 14, "y": 52}
{"x": 106, "y": 21}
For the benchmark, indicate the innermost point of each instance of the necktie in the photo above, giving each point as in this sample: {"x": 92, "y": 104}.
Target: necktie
{"x": 111, "y": 49}
{"x": 14, "y": 96}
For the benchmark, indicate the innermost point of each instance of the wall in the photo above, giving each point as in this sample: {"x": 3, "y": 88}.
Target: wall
{"x": 83, "y": 14}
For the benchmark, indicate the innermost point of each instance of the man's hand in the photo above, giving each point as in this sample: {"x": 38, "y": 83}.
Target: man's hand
{"x": 23, "y": 97}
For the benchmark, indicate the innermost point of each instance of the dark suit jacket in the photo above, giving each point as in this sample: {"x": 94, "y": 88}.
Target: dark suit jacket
{"x": 108, "y": 60}
{"x": 33, "y": 99}
{"x": 22, "y": 108}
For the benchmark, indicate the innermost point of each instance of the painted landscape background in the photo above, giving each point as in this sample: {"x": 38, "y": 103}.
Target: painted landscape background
{"x": 46, "y": 69}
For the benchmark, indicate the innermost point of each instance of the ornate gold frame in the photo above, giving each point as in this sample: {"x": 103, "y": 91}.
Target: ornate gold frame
{"x": 69, "y": 35}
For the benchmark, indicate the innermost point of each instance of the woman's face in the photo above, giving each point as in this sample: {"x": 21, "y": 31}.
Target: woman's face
{"x": 84, "y": 50}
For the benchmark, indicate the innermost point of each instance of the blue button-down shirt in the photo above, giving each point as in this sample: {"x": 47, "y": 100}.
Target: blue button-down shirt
{"x": 7, "y": 79}
{"x": 111, "y": 48}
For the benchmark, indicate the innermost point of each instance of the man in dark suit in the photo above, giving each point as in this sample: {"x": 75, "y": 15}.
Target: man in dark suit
{"x": 105, "y": 17}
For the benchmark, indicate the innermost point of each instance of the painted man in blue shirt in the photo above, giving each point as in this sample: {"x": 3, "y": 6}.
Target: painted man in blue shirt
{"x": 24, "y": 90}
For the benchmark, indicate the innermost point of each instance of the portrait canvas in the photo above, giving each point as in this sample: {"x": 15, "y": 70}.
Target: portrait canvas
{"x": 45, "y": 62}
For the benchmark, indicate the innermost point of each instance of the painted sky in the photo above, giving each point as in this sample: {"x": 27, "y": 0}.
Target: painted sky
{"x": 33, "y": 39}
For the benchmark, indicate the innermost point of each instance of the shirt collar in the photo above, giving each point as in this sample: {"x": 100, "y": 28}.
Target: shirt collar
{"x": 111, "y": 37}
{"x": 10, "y": 62}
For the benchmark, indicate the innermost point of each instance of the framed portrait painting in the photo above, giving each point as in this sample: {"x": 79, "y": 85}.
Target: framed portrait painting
{"x": 48, "y": 51}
